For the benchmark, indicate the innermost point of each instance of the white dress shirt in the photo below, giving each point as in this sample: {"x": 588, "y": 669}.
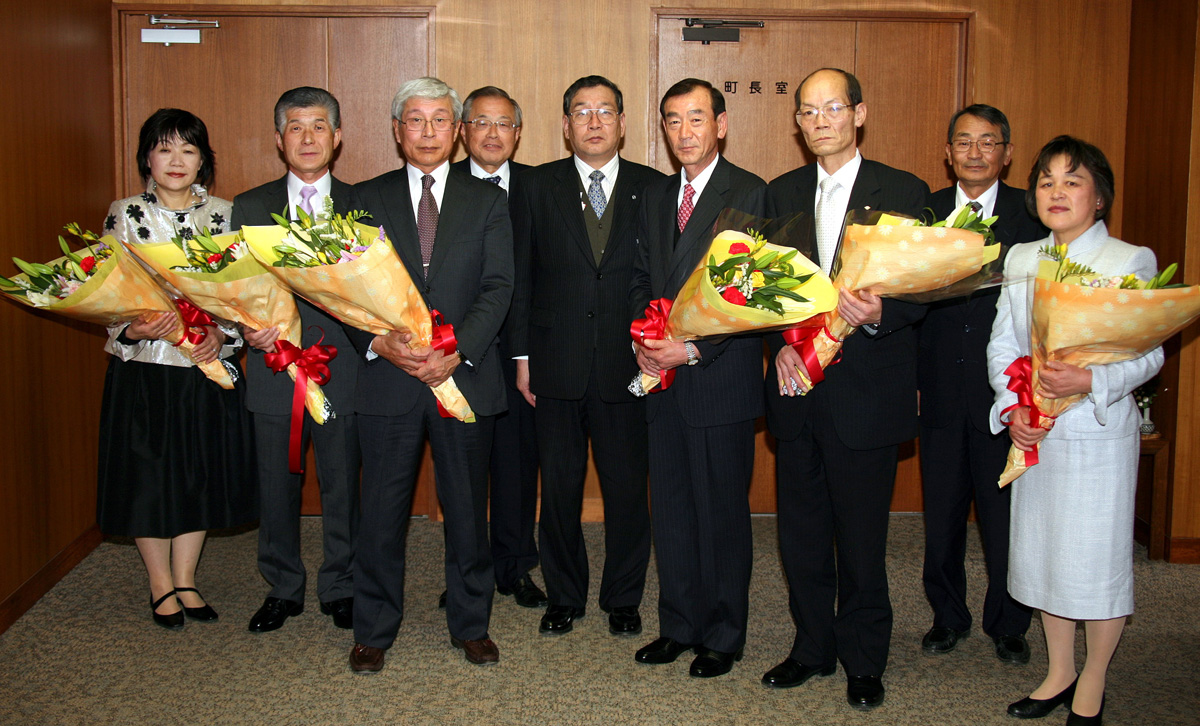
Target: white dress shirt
{"x": 504, "y": 172}
{"x": 294, "y": 185}
{"x": 698, "y": 183}
{"x": 438, "y": 189}
{"x": 607, "y": 183}
{"x": 987, "y": 200}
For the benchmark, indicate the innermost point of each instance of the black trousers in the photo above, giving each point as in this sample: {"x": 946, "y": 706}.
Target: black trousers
{"x": 336, "y": 446}
{"x": 514, "y": 491}
{"x": 618, "y": 438}
{"x": 391, "y": 450}
{"x": 960, "y": 463}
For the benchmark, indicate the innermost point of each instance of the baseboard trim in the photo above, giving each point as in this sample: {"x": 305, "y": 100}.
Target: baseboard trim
{"x": 32, "y": 590}
{"x": 1184, "y": 550}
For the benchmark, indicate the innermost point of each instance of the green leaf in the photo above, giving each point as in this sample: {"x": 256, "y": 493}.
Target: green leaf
{"x": 281, "y": 221}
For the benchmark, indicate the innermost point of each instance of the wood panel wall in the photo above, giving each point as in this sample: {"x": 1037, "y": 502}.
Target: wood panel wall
{"x": 55, "y": 140}
{"x": 1052, "y": 67}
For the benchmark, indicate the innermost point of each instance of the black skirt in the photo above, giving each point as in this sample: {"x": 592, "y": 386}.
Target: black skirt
{"x": 176, "y": 453}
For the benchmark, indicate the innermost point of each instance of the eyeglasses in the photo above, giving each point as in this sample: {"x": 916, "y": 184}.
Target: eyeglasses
{"x": 583, "y": 116}
{"x": 832, "y": 112}
{"x": 416, "y": 123}
{"x": 503, "y": 127}
{"x": 985, "y": 146}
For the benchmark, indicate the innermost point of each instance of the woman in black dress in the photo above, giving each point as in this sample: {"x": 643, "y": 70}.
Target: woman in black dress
{"x": 175, "y": 448}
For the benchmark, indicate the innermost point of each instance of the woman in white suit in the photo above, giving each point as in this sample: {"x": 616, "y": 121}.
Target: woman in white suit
{"x": 1072, "y": 514}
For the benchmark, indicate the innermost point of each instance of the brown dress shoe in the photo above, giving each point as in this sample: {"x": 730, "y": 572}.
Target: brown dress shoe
{"x": 479, "y": 652}
{"x": 365, "y": 659}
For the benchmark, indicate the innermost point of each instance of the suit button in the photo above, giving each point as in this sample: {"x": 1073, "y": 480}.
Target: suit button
{"x": 591, "y": 314}
{"x": 959, "y": 361}
{"x": 966, "y": 328}
{"x": 599, "y": 275}
{"x": 426, "y": 289}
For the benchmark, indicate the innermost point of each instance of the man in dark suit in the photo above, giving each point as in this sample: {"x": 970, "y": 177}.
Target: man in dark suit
{"x": 702, "y": 426}
{"x": 491, "y": 128}
{"x": 960, "y": 458}
{"x": 837, "y": 446}
{"x": 574, "y": 229}
{"x": 307, "y": 131}
{"x": 452, "y": 232}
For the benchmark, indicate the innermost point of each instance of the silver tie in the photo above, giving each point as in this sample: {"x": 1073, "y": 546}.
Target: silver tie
{"x": 829, "y": 223}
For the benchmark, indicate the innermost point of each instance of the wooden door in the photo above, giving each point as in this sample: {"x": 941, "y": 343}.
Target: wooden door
{"x": 913, "y": 70}
{"x": 233, "y": 78}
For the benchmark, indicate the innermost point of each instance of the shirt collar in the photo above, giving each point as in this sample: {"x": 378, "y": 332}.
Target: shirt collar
{"x": 609, "y": 170}
{"x": 504, "y": 172}
{"x": 844, "y": 176}
{"x": 987, "y": 200}
{"x": 439, "y": 174}
{"x": 295, "y": 184}
{"x": 701, "y": 179}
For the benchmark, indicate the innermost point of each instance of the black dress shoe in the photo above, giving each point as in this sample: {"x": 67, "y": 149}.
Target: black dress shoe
{"x": 711, "y": 663}
{"x": 663, "y": 650}
{"x": 273, "y": 612}
{"x": 1012, "y": 649}
{"x": 864, "y": 692}
{"x": 525, "y": 593}
{"x": 442, "y": 600}
{"x": 172, "y": 621}
{"x": 1074, "y": 719}
{"x": 204, "y": 613}
{"x": 941, "y": 640}
{"x": 559, "y": 618}
{"x": 624, "y": 621}
{"x": 342, "y": 612}
{"x": 792, "y": 673}
{"x": 1039, "y": 707}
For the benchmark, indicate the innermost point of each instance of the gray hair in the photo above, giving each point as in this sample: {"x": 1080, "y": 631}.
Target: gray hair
{"x": 492, "y": 92}
{"x": 307, "y": 97}
{"x": 427, "y": 88}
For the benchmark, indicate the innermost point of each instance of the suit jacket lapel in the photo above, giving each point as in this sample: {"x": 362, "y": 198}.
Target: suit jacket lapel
{"x": 566, "y": 195}
{"x": 399, "y": 222}
{"x": 450, "y": 218}
{"x": 687, "y": 253}
{"x": 624, "y": 212}
{"x": 275, "y": 198}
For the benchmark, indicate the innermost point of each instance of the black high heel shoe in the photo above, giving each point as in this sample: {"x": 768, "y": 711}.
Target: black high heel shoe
{"x": 1038, "y": 707}
{"x": 174, "y": 621}
{"x": 1074, "y": 719}
{"x": 204, "y": 613}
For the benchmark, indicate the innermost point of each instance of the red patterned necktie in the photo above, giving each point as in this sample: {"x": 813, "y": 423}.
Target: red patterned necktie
{"x": 427, "y": 221}
{"x": 685, "y": 209}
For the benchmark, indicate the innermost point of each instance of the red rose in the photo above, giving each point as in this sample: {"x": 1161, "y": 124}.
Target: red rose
{"x": 214, "y": 258}
{"x": 739, "y": 248}
{"x": 734, "y": 295}
{"x": 88, "y": 263}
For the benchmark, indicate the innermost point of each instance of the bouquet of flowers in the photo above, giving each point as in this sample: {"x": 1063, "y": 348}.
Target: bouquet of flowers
{"x": 898, "y": 257}
{"x": 351, "y": 271}
{"x": 744, "y": 284}
{"x": 1083, "y": 318}
{"x": 108, "y": 287}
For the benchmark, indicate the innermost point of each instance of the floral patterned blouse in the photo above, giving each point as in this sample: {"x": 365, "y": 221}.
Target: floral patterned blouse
{"x": 143, "y": 219}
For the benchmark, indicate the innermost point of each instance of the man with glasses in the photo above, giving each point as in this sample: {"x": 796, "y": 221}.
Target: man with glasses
{"x": 452, "y": 232}
{"x": 837, "y": 444}
{"x": 491, "y": 128}
{"x": 960, "y": 458}
{"x": 702, "y": 426}
{"x": 574, "y": 228}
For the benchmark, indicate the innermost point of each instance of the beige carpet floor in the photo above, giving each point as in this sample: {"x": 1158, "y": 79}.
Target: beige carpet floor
{"x": 88, "y": 653}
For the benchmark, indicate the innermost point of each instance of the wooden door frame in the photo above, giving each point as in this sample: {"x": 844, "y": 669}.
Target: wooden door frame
{"x": 966, "y": 19}
{"x": 121, "y": 152}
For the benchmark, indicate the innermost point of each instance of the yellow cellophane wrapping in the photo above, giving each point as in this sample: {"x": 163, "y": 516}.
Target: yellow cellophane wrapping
{"x": 122, "y": 291}
{"x": 1084, "y": 326}
{"x": 373, "y": 293}
{"x": 244, "y": 292}
{"x": 699, "y": 311}
{"x": 888, "y": 259}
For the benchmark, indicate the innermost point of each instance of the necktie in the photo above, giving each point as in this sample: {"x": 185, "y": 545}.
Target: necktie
{"x": 427, "y": 220}
{"x": 306, "y": 195}
{"x": 829, "y": 223}
{"x": 596, "y": 194}
{"x": 685, "y": 209}
{"x": 493, "y": 179}
{"x": 976, "y": 207}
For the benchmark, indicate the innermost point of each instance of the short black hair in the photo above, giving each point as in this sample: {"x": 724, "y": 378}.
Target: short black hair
{"x": 991, "y": 114}
{"x": 591, "y": 82}
{"x": 1078, "y": 153}
{"x": 853, "y": 87}
{"x": 164, "y": 125}
{"x": 688, "y": 85}
{"x": 307, "y": 97}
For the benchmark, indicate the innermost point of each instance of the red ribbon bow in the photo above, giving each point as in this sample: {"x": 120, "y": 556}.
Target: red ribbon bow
{"x": 801, "y": 339}
{"x": 654, "y": 327}
{"x": 194, "y": 322}
{"x": 443, "y": 339}
{"x": 1020, "y": 382}
{"x": 310, "y": 363}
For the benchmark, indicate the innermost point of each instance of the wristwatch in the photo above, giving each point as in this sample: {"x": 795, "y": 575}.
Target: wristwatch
{"x": 693, "y": 356}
